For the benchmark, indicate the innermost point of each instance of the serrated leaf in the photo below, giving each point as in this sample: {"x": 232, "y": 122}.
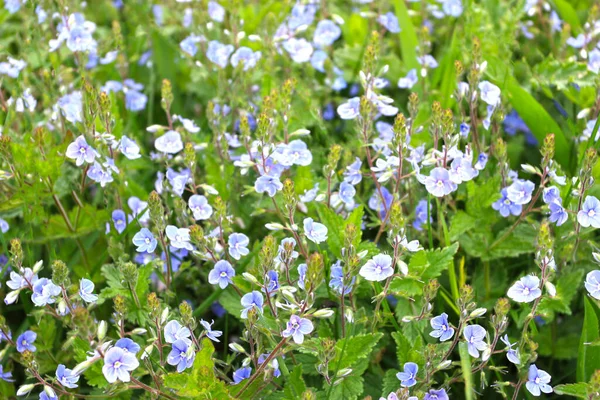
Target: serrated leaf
{"x": 352, "y": 349}
{"x": 578, "y": 390}
{"x": 429, "y": 264}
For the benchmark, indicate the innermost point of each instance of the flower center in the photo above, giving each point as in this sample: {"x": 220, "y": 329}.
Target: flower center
{"x": 117, "y": 364}
{"x": 147, "y": 240}
{"x": 537, "y": 379}
{"x": 526, "y": 290}
{"x": 223, "y": 274}
{"x": 439, "y": 183}
{"x": 82, "y": 150}
{"x": 378, "y": 269}
{"x": 591, "y": 213}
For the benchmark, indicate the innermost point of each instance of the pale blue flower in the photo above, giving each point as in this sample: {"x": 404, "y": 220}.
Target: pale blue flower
{"x": 18, "y": 281}
{"x": 129, "y": 148}
{"x": 349, "y": 109}
{"x": 298, "y": 153}
{"x": 200, "y": 207}
{"x": 589, "y": 215}
{"x": 238, "y": 245}
{"x": 6, "y": 376}
{"x": 438, "y": 182}
{"x": 538, "y": 381}
{"x": 520, "y": 191}
{"x": 25, "y": 341}
{"x": 118, "y": 363}
{"x": 511, "y": 354}
{"x": 65, "y": 377}
{"x": 80, "y": 151}
{"x": 592, "y": 284}
{"x": 427, "y": 61}
{"x": 337, "y": 278}
{"x": 137, "y": 206}
{"x": 182, "y": 355}
{"x": 302, "y": 269}
{"x": 489, "y": 93}
{"x": 221, "y": 274}
{"x": 389, "y": 22}
{"x": 326, "y": 33}
{"x": 378, "y": 268}
{"x": 436, "y": 394}
{"x": 582, "y": 40}
{"x": 216, "y": 12}
{"x": 441, "y": 327}
{"x": 461, "y": 170}
{"x": 86, "y": 288}
{"x": 465, "y": 129}
{"x": 352, "y": 174}
{"x": 505, "y": 206}
{"x": 210, "y": 333}
{"x": 298, "y": 327}
{"x": 12, "y": 6}
{"x": 4, "y": 227}
{"x": 409, "y": 80}
{"x": 12, "y": 67}
{"x": 240, "y": 374}
{"x": 245, "y": 56}
{"x": 174, "y": 331}
{"x": 475, "y": 335}
{"x": 99, "y": 174}
{"x": 157, "y": 11}
{"x": 273, "y": 364}
{"x": 71, "y": 106}
{"x": 317, "y": 60}
{"x": 219, "y": 53}
{"x": 128, "y": 345}
{"x": 551, "y": 195}
{"x": 421, "y": 215}
{"x": 119, "y": 220}
{"x": 347, "y": 193}
{"x": 376, "y": 204}
{"x": 189, "y": 46}
{"x": 594, "y": 61}
{"x": 269, "y": 184}
{"x": 299, "y": 49}
{"x": 558, "y": 214}
{"x": 135, "y": 101}
{"x": 44, "y": 292}
{"x": 179, "y": 237}
{"x": 408, "y": 377}
{"x": 169, "y": 143}
{"x": 453, "y": 8}
{"x": 526, "y": 289}
{"x": 314, "y": 231}
{"x": 145, "y": 241}
{"x": 253, "y": 300}
{"x": 310, "y": 194}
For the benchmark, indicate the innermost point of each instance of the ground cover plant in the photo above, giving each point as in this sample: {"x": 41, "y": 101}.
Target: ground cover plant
{"x": 345, "y": 199}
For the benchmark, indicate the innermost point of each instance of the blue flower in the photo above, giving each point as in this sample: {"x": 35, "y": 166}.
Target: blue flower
{"x": 66, "y": 377}
{"x": 80, "y": 151}
{"x": 240, "y": 374}
{"x": 298, "y": 327}
{"x": 336, "y": 281}
{"x": 505, "y": 206}
{"x": 326, "y": 33}
{"x": 272, "y": 282}
{"x": 71, "y": 106}
{"x": 145, "y": 241}
{"x": 118, "y": 363}
{"x": 6, "y": 376}
{"x": 253, "y": 300}
{"x": 302, "y": 268}
{"x": 269, "y": 184}
{"x": 439, "y": 394}
{"x": 119, "y": 220}
{"x": 520, "y": 191}
{"x": 218, "y": 309}
{"x": 328, "y": 111}
{"x": 169, "y": 143}
{"x": 273, "y": 363}
{"x": 589, "y": 215}
{"x": 221, "y": 274}
{"x": 475, "y": 335}
{"x": 407, "y": 378}
{"x": 438, "y": 182}
{"x": 511, "y": 354}
{"x": 538, "y": 381}
{"x": 317, "y": 60}
{"x": 245, "y": 56}
{"x": 4, "y": 226}
{"x": 453, "y": 8}
{"x": 182, "y": 354}
{"x": 482, "y": 160}
{"x": 12, "y": 67}
{"x": 389, "y": 22}
{"x": 309, "y": 195}
{"x": 408, "y": 81}
{"x": 558, "y": 214}
{"x": 157, "y": 12}
{"x": 188, "y": 44}
{"x": 592, "y": 284}
{"x": 44, "y": 396}
{"x": 298, "y": 153}
{"x": 421, "y": 215}
{"x": 44, "y": 292}
{"x": 594, "y": 61}
{"x": 135, "y": 101}
{"x": 465, "y": 129}
{"x": 238, "y": 245}
{"x": 427, "y": 61}
{"x": 25, "y": 341}
{"x": 347, "y": 193}
{"x": 12, "y": 6}
{"x": 314, "y": 231}
{"x": 461, "y": 170}
{"x": 216, "y": 12}
{"x": 441, "y": 327}
{"x": 219, "y": 53}
{"x": 349, "y": 109}
{"x": 200, "y": 207}
{"x": 210, "y": 333}
{"x": 179, "y": 237}
{"x": 128, "y": 345}
{"x": 286, "y": 253}
{"x": 377, "y": 268}
{"x": 86, "y": 287}
{"x": 18, "y": 281}
{"x": 174, "y": 331}
{"x": 99, "y": 174}
{"x": 489, "y": 93}
{"x": 376, "y": 204}
{"x": 299, "y": 49}
{"x": 129, "y": 148}
{"x": 552, "y": 195}
{"x": 352, "y": 175}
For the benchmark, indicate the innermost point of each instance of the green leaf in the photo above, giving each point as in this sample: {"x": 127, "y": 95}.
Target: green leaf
{"x": 408, "y": 35}
{"x": 406, "y": 350}
{"x": 407, "y": 286}
{"x": 520, "y": 241}
{"x": 579, "y": 390}
{"x": 460, "y": 223}
{"x": 429, "y": 264}
{"x": 356, "y": 348}
{"x": 336, "y": 226}
{"x": 349, "y": 389}
{"x": 295, "y": 386}
{"x": 465, "y": 366}
{"x": 566, "y": 288}
{"x": 588, "y": 359}
{"x": 568, "y": 14}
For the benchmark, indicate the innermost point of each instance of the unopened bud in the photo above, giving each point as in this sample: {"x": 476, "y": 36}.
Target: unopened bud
{"x": 324, "y": 313}
{"x": 102, "y": 328}
{"x": 478, "y": 312}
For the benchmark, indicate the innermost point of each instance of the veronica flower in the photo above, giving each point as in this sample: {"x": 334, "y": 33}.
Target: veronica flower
{"x": 71, "y": 106}
{"x": 489, "y": 93}
{"x": 461, "y": 170}
{"x": 551, "y": 195}
{"x": 86, "y": 287}
{"x": 253, "y": 300}
{"x": 200, "y": 207}
{"x": 298, "y": 153}
{"x": 558, "y": 214}
{"x": 592, "y": 284}
{"x": 44, "y": 292}
{"x": 299, "y": 49}
{"x": 245, "y": 56}
{"x": 421, "y": 215}
{"x": 65, "y": 377}
{"x": 240, "y": 374}
{"x": 326, "y": 33}
{"x": 169, "y": 143}
{"x": 407, "y": 378}
{"x": 219, "y": 53}
{"x": 182, "y": 354}
{"x": 376, "y": 204}
{"x": 25, "y": 341}
{"x": 189, "y": 46}
{"x": 175, "y": 331}
{"x": 511, "y": 354}
{"x": 505, "y": 206}
{"x": 6, "y": 376}
{"x": 475, "y": 334}
{"x": 221, "y": 274}
{"x": 5, "y": 337}
{"x": 269, "y": 184}
{"x": 337, "y": 278}
{"x": 119, "y": 220}
{"x": 352, "y": 175}
{"x": 272, "y": 282}
{"x": 309, "y": 195}
{"x": 210, "y": 333}
{"x": 238, "y": 245}
{"x": 317, "y": 60}
{"x": 298, "y": 327}
{"x": 438, "y": 182}
{"x": 526, "y": 289}
{"x": 441, "y": 327}
{"x": 538, "y": 381}
{"x": 44, "y": 396}
{"x": 314, "y": 231}
{"x": 409, "y": 80}
{"x": 179, "y": 237}
{"x": 452, "y": 8}
{"x": 519, "y": 192}
{"x": 216, "y": 12}
{"x": 135, "y": 101}
{"x": 594, "y": 61}
{"x": 347, "y": 193}
{"x": 389, "y": 22}
{"x": 12, "y": 6}
{"x": 80, "y": 151}
{"x": 4, "y": 226}
{"x": 273, "y": 364}
{"x": 118, "y": 363}
{"x": 129, "y": 148}
{"x": 349, "y": 109}
{"x": 589, "y": 215}
{"x": 436, "y": 394}
{"x": 145, "y": 241}
{"x": 377, "y": 268}
{"x": 302, "y": 268}
{"x": 128, "y": 345}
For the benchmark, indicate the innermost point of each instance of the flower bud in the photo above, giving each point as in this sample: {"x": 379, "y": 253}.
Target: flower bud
{"x": 349, "y": 314}
{"x": 250, "y": 278}
{"x": 343, "y": 372}
{"x": 11, "y": 297}
{"x": 49, "y": 391}
{"x": 37, "y": 267}
{"x": 324, "y": 313}
{"x": 25, "y": 389}
{"x": 139, "y": 331}
{"x": 478, "y": 312}
{"x": 274, "y": 226}
{"x": 444, "y": 365}
{"x": 550, "y": 288}
{"x": 102, "y": 328}
{"x": 164, "y": 316}
{"x": 237, "y": 348}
